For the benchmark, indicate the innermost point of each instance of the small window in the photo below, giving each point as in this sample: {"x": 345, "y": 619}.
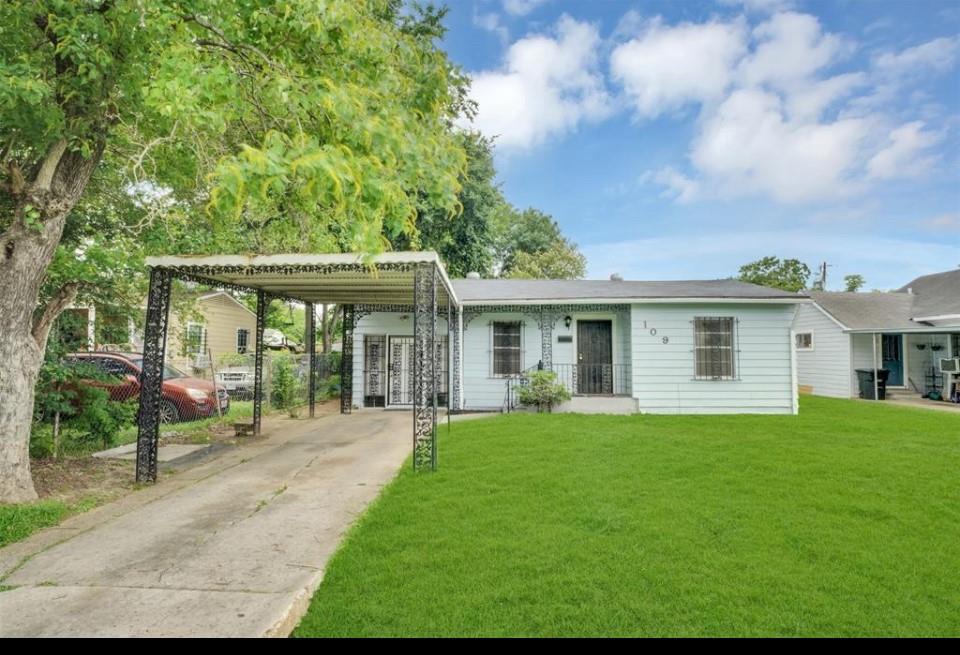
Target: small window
{"x": 715, "y": 348}
{"x": 804, "y": 340}
{"x": 243, "y": 338}
{"x": 506, "y": 349}
{"x": 196, "y": 339}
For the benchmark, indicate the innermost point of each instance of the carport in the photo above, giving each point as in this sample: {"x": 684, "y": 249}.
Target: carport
{"x": 413, "y": 282}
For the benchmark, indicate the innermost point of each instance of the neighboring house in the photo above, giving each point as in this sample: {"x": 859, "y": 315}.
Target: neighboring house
{"x": 906, "y": 332}
{"x": 219, "y": 325}
{"x": 698, "y": 347}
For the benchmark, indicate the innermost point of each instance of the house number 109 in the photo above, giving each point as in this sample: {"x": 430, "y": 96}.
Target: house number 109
{"x": 653, "y": 333}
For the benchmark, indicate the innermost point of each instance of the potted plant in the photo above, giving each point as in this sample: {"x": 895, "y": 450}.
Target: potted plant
{"x": 543, "y": 391}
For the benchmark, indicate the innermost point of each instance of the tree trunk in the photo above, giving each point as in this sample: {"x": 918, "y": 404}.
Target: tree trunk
{"x": 26, "y": 250}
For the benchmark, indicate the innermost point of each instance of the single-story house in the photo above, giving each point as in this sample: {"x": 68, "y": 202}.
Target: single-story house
{"x": 906, "y": 332}
{"x": 694, "y": 347}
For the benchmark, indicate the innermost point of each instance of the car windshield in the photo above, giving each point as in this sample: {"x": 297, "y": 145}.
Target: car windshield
{"x": 169, "y": 372}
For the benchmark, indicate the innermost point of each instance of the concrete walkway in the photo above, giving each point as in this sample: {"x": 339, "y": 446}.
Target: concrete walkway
{"x": 233, "y": 547}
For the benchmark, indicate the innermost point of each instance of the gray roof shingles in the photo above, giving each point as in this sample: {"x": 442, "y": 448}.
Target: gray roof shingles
{"x": 585, "y": 290}
{"x": 937, "y": 294}
{"x": 924, "y": 297}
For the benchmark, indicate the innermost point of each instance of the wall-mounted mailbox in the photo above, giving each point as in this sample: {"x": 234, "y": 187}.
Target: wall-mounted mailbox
{"x": 565, "y": 338}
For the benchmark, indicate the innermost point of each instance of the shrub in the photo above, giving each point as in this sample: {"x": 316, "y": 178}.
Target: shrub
{"x": 288, "y": 387}
{"x": 542, "y": 390}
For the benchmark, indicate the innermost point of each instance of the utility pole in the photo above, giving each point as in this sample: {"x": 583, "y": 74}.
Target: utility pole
{"x": 821, "y": 283}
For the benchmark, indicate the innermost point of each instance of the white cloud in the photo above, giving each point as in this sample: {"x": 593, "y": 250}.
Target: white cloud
{"x": 677, "y": 186}
{"x": 759, "y": 6}
{"x": 947, "y": 223}
{"x": 521, "y": 7}
{"x": 938, "y": 56}
{"x": 748, "y": 147}
{"x": 491, "y": 23}
{"x": 665, "y": 68}
{"x": 548, "y": 85}
{"x": 904, "y": 154}
{"x": 790, "y": 48}
{"x": 765, "y": 125}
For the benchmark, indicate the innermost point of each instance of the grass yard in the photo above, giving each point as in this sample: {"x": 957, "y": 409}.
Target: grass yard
{"x": 842, "y": 521}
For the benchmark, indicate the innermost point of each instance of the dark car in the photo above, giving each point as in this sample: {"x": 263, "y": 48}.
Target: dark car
{"x": 184, "y": 398}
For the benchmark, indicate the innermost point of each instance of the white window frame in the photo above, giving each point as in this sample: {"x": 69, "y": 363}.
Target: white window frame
{"x": 803, "y": 348}
{"x": 493, "y": 355}
{"x": 246, "y": 345}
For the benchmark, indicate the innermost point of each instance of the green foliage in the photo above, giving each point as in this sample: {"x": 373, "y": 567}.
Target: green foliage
{"x": 99, "y": 419}
{"x": 230, "y": 127}
{"x": 853, "y": 283}
{"x": 464, "y": 241}
{"x": 561, "y": 261}
{"x": 529, "y": 244}
{"x": 788, "y": 274}
{"x": 542, "y": 391}
{"x": 288, "y": 386}
{"x": 842, "y": 521}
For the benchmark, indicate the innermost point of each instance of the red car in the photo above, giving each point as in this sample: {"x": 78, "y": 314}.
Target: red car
{"x": 185, "y": 398}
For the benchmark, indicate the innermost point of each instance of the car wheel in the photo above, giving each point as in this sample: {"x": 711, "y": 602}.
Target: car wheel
{"x": 168, "y": 412}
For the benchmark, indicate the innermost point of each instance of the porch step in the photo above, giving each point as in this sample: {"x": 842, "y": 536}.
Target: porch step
{"x": 599, "y": 405}
{"x": 903, "y": 394}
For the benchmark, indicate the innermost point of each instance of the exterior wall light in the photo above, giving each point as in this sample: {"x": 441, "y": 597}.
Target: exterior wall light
{"x": 567, "y": 321}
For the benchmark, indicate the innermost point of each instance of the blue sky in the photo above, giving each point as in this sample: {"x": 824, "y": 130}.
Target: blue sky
{"x": 680, "y": 139}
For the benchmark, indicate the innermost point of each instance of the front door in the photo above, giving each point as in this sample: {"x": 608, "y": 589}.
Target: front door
{"x": 893, "y": 358}
{"x": 594, "y": 368}
{"x": 400, "y": 390}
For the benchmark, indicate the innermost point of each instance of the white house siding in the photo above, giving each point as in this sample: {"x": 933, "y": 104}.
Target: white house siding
{"x": 826, "y": 367}
{"x": 481, "y": 390}
{"x": 663, "y": 373}
{"x": 386, "y": 324}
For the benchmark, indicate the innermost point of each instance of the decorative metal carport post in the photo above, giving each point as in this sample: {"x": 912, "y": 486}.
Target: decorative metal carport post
{"x": 262, "y": 302}
{"x": 151, "y": 376}
{"x": 425, "y": 367}
{"x": 346, "y": 360}
{"x": 311, "y": 330}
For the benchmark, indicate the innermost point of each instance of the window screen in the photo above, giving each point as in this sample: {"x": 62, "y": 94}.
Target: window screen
{"x": 804, "y": 340}
{"x": 715, "y": 347}
{"x": 506, "y": 348}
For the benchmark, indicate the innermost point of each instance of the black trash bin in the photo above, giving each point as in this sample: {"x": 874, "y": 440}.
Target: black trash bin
{"x": 865, "y": 380}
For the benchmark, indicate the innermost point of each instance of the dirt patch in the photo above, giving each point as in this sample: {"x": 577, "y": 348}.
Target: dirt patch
{"x": 72, "y": 479}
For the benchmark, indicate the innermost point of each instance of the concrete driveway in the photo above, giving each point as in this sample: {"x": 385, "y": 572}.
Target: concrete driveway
{"x": 233, "y": 547}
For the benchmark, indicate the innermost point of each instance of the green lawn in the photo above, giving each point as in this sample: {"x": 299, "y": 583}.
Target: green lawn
{"x": 842, "y": 521}
{"x": 20, "y": 521}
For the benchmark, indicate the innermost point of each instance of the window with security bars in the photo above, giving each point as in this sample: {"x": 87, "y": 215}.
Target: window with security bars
{"x": 507, "y": 353}
{"x": 715, "y": 347}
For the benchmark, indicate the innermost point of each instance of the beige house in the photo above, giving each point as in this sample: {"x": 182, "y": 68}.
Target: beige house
{"x": 218, "y": 325}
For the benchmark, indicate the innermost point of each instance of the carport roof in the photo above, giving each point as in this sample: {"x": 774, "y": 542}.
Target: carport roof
{"x": 329, "y": 278}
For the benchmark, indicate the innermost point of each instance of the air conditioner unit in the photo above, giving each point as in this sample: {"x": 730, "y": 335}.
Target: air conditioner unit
{"x": 950, "y": 365}
{"x": 201, "y": 361}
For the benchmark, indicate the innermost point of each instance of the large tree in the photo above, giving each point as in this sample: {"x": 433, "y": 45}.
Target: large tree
{"x": 464, "y": 241}
{"x": 529, "y": 244}
{"x": 244, "y": 125}
{"x": 786, "y": 274}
